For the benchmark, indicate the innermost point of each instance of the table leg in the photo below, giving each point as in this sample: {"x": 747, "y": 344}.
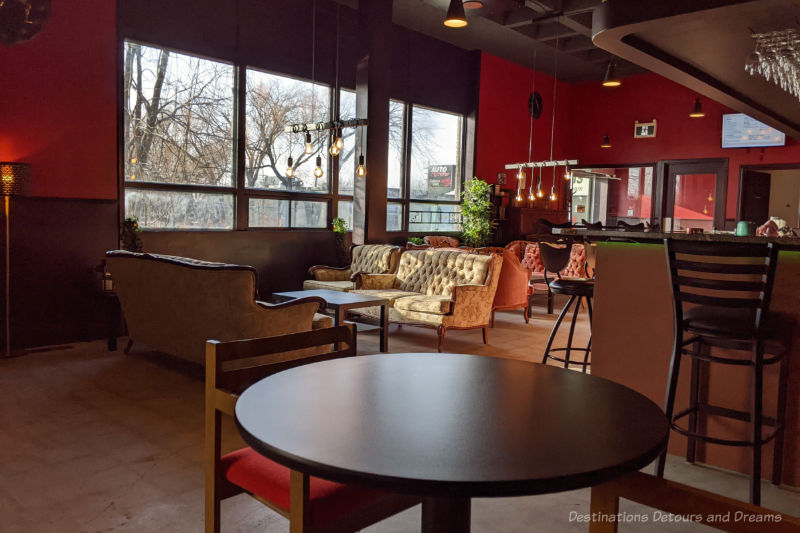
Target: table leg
{"x": 445, "y": 515}
{"x": 384, "y": 328}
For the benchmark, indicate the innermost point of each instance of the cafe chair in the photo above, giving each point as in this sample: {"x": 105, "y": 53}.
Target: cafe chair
{"x": 556, "y": 257}
{"x": 721, "y": 295}
{"x": 624, "y": 226}
{"x": 311, "y": 504}
{"x": 592, "y": 225}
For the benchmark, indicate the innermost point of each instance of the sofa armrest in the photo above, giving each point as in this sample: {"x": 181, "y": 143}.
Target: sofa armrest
{"x": 365, "y": 281}
{"x": 288, "y": 305}
{"x": 326, "y": 273}
{"x": 471, "y": 302}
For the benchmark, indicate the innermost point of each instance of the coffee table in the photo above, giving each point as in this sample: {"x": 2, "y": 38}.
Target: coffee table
{"x": 341, "y": 302}
{"x": 449, "y": 427}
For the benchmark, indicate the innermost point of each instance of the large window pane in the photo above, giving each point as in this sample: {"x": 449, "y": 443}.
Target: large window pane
{"x": 178, "y": 113}
{"x": 435, "y": 155}
{"x": 268, "y": 213}
{"x": 345, "y": 211}
{"x": 307, "y": 214}
{"x": 347, "y": 169}
{"x": 274, "y": 102}
{"x": 179, "y": 210}
{"x": 434, "y": 217}
{"x": 610, "y": 195}
{"x": 394, "y": 216}
{"x": 394, "y": 184}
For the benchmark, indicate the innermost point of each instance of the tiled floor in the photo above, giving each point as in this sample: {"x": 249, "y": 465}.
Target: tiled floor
{"x": 97, "y": 441}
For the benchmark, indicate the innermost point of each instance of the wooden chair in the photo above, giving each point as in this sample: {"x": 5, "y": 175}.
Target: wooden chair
{"x": 311, "y": 504}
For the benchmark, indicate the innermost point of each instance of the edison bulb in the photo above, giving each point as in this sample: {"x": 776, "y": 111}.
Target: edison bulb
{"x": 334, "y": 151}
{"x": 318, "y": 170}
{"x": 309, "y": 148}
{"x": 339, "y": 141}
{"x": 361, "y": 171}
{"x": 539, "y": 193}
{"x": 290, "y": 168}
{"x": 567, "y": 175}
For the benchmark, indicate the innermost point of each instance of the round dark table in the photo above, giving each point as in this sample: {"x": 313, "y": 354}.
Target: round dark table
{"x": 449, "y": 427}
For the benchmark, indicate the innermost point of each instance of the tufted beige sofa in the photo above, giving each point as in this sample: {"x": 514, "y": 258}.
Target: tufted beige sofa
{"x": 444, "y": 289}
{"x": 370, "y": 258}
{"x": 174, "y": 304}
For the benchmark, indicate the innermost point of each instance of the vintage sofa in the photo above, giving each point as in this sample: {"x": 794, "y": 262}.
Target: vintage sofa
{"x": 370, "y": 258}
{"x": 174, "y": 304}
{"x": 438, "y": 288}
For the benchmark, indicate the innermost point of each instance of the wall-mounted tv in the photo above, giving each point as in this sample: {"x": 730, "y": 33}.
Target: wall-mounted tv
{"x": 741, "y": 131}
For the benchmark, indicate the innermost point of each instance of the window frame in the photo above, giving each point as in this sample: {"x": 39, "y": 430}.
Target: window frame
{"x": 240, "y": 194}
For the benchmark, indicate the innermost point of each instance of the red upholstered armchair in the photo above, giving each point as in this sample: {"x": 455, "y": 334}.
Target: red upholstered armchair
{"x": 531, "y": 261}
{"x": 512, "y": 285}
{"x": 440, "y": 240}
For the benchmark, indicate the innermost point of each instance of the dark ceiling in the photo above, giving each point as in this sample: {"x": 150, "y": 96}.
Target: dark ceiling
{"x": 515, "y": 29}
{"x": 703, "y": 44}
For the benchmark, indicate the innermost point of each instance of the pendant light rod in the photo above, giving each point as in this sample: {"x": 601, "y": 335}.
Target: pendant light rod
{"x": 533, "y": 92}
{"x": 329, "y": 125}
{"x": 542, "y": 164}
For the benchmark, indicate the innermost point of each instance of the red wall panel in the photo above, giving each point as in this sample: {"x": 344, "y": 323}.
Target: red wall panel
{"x": 58, "y": 105}
{"x": 504, "y": 122}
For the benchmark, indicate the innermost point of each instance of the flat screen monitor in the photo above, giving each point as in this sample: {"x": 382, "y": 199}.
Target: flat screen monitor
{"x": 741, "y": 131}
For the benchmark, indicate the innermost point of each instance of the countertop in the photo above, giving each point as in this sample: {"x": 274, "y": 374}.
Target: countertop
{"x": 646, "y": 236}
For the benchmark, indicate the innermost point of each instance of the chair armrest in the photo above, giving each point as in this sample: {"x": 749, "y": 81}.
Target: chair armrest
{"x": 326, "y": 273}
{"x": 471, "y": 301}
{"x": 367, "y": 281}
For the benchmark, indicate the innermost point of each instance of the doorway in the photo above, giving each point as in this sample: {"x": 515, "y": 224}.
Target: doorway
{"x": 692, "y": 193}
{"x": 769, "y": 191}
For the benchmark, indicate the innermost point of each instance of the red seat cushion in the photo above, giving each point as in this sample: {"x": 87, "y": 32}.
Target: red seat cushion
{"x": 253, "y": 472}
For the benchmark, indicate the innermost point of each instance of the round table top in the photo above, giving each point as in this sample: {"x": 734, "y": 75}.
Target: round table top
{"x": 451, "y": 424}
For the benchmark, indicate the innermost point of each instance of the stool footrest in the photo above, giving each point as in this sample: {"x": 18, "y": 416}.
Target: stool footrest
{"x": 727, "y": 413}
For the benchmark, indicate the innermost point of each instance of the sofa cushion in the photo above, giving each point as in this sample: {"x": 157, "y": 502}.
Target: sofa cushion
{"x": 372, "y": 258}
{"x": 431, "y": 303}
{"x": 390, "y": 294}
{"x": 312, "y": 284}
{"x": 437, "y": 271}
{"x": 321, "y": 321}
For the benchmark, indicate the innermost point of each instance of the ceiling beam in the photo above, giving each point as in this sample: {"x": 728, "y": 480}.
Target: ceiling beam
{"x": 575, "y": 26}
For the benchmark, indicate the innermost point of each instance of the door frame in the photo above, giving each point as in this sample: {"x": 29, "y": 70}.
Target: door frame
{"x": 758, "y": 168}
{"x": 666, "y": 170}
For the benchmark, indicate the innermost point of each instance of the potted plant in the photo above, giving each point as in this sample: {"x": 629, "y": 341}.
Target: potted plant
{"x": 129, "y": 235}
{"x": 476, "y": 213}
{"x": 339, "y": 226}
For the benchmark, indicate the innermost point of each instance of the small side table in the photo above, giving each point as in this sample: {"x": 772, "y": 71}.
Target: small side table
{"x": 341, "y": 302}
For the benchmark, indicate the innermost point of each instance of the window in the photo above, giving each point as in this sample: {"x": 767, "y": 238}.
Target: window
{"x": 347, "y": 169}
{"x": 180, "y": 144}
{"x": 433, "y": 177}
{"x": 178, "y": 113}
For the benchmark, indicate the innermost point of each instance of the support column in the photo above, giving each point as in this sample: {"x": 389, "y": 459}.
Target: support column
{"x": 372, "y": 100}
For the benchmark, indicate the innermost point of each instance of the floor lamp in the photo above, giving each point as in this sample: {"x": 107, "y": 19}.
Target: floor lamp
{"x": 14, "y": 180}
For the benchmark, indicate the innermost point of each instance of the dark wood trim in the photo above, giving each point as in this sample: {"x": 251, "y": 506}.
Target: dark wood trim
{"x": 241, "y": 204}
{"x": 667, "y": 169}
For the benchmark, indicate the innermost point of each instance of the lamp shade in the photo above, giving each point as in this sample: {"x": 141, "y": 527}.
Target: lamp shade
{"x": 697, "y": 111}
{"x": 455, "y": 15}
{"x": 606, "y": 142}
{"x": 14, "y": 178}
{"x": 611, "y": 79}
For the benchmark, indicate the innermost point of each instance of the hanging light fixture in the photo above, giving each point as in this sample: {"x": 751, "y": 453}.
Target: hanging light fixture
{"x": 455, "y": 15}
{"x": 611, "y": 79}
{"x": 606, "y": 142}
{"x": 472, "y": 4}
{"x": 318, "y": 170}
{"x": 710, "y": 196}
{"x": 333, "y": 150}
{"x": 339, "y": 142}
{"x": 697, "y": 111}
{"x": 361, "y": 171}
{"x": 531, "y": 195}
{"x": 567, "y": 173}
{"x": 539, "y": 191}
{"x": 553, "y": 195}
{"x": 309, "y": 148}
{"x": 290, "y": 168}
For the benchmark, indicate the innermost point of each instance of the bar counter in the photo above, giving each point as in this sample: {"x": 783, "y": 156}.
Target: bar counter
{"x": 633, "y": 338}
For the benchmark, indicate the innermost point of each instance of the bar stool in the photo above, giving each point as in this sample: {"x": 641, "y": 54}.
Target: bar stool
{"x": 555, "y": 257}
{"x": 728, "y": 288}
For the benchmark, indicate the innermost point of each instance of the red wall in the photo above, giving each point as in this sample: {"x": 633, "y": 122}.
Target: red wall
{"x": 504, "y": 121}
{"x": 58, "y": 105}
{"x": 586, "y": 112}
{"x": 597, "y": 110}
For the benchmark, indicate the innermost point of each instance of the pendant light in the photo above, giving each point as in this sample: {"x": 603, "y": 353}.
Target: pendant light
{"x": 539, "y": 191}
{"x": 361, "y": 171}
{"x": 520, "y": 183}
{"x": 606, "y": 142}
{"x": 530, "y": 134}
{"x": 290, "y": 168}
{"x": 309, "y": 148}
{"x": 472, "y": 4}
{"x": 553, "y": 196}
{"x": 611, "y": 79}
{"x": 567, "y": 173}
{"x": 697, "y": 112}
{"x": 339, "y": 141}
{"x": 336, "y": 135}
{"x": 455, "y": 15}
{"x": 318, "y": 170}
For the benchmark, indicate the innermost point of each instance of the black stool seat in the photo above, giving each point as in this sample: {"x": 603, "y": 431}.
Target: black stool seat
{"x": 727, "y": 288}
{"x": 576, "y": 287}
{"x": 555, "y": 257}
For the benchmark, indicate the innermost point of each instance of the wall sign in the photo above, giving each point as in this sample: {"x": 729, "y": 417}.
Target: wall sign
{"x": 643, "y": 130}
